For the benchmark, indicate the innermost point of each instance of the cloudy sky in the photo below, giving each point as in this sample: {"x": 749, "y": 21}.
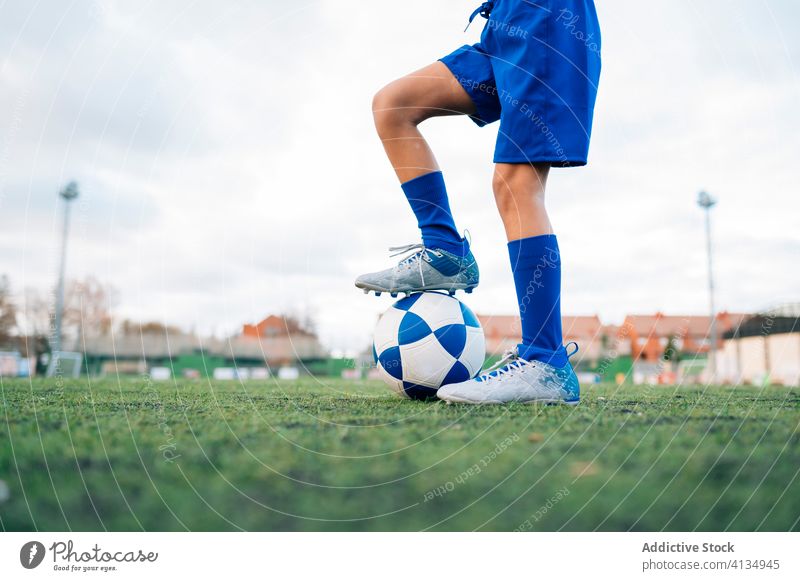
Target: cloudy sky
{"x": 229, "y": 169}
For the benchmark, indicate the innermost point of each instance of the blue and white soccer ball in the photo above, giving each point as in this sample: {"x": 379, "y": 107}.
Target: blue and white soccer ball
{"x": 427, "y": 340}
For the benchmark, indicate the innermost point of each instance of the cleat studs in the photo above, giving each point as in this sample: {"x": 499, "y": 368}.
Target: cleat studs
{"x": 393, "y": 295}
{"x": 377, "y": 293}
{"x": 366, "y": 291}
{"x": 469, "y": 290}
{"x": 451, "y": 292}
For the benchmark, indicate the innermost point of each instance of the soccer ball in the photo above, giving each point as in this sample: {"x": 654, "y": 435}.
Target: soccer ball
{"x": 427, "y": 340}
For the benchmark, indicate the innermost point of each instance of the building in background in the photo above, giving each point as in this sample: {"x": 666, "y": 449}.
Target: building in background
{"x": 657, "y": 348}
{"x": 274, "y": 343}
{"x": 652, "y": 336}
{"x": 278, "y": 340}
{"x": 765, "y": 348}
{"x": 18, "y": 356}
{"x": 13, "y": 364}
{"x": 503, "y": 332}
{"x": 669, "y": 349}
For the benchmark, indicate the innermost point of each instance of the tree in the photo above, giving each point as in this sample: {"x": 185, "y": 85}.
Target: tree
{"x": 36, "y": 314}
{"x": 8, "y": 312}
{"x": 300, "y": 322}
{"x": 87, "y": 308}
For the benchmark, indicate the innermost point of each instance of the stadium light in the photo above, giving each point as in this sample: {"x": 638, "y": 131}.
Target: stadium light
{"x": 706, "y": 202}
{"x": 69, "y": 193}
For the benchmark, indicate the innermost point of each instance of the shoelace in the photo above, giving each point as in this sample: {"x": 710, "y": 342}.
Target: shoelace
{"x": 509, "y": 363}
{"x": 484, "y": 10}
{"x": 417, "y": 248}
{"x": 419, "y": 253}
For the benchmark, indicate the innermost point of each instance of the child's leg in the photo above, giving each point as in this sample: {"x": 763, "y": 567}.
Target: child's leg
{"x": 403, "y": 104}
{"x": 398, "y": 109}
{"x": 535, "y": 258}
{"x": 519, "y": 194}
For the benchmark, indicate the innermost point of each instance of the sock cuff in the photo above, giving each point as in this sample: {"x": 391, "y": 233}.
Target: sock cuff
{"x": 458, "y": 248}
{"x": 534, "y": 250}
{"x": 423, "y": 184}
{"x": 557, "y": 358}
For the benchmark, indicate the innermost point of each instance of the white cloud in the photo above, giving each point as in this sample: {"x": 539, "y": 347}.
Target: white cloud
{"x": 229, "y": 166}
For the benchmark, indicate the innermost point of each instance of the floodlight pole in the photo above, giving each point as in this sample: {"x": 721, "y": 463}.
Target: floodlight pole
{"x": 706, "y": 202}
{"x": 69, "y": 193}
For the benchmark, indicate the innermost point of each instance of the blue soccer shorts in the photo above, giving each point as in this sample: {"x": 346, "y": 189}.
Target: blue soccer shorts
{"x": 536, "y": 69}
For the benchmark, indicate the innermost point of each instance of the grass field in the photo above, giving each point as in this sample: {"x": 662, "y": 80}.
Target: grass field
{"x": 336, "y": 455}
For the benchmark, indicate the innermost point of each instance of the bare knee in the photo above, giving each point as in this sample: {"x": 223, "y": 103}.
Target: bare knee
{"x": 500, "y": 184}
{"x": 504, "y": 194}
{"x": 391, "y": 111}
{"x": 515, "y": 184}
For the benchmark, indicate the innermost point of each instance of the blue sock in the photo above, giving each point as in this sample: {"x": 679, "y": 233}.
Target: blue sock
{"x": 536, "y": 265}
{"x": 428, "y": 198}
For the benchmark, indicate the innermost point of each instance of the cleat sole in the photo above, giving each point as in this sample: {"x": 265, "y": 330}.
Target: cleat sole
{"x": 450, "y": 290}
{"x": 450, "y": 399}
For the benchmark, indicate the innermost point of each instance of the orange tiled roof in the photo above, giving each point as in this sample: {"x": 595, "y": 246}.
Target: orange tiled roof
{"x": 497, "y": 326}
{"x": 660, "y": 325}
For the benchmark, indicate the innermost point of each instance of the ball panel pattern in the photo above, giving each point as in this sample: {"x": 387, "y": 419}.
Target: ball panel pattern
{"x": 412, "y": 329}
{"x": 407, "y": 302}
{"x": 470, "y": 320}
{"x": 414, "y": 391}
{"x": 391, "y": 362}
{"x": 458, "y": 372}
{"x": 387, "y": 329}
{"x": 395, "y": 385}
{"x": 474, "y": 350}
{"x": 425, "y": 362}
{"x": 453, "y": 338}
{"x": 427, "y": 340}
{"x": 438, "y": 309}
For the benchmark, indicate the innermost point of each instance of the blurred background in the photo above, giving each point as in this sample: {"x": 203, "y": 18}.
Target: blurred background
{"x": 230, "y": 187}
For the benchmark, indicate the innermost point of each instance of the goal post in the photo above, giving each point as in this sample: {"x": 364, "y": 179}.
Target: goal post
{"x": 65, "y": 363}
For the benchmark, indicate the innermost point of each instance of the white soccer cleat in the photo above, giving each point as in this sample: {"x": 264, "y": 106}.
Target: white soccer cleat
{"x": 516, "y": 380}
{"x": 424, "y": 269}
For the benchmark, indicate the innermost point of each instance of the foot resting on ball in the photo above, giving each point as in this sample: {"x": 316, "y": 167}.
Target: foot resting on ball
{"x": 516, "y": 380}
{"x": 424, "y": 269}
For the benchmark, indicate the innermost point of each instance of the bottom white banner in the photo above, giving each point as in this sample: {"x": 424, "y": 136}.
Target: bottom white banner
{"x": 400, "y": 555}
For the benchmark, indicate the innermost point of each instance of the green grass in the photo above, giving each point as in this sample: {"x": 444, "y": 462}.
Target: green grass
{"x": 336, "y": 455}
